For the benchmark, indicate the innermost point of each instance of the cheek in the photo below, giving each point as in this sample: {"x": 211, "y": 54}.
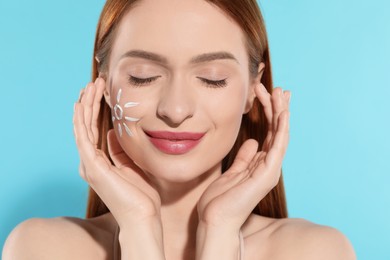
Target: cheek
{"x": 226, "y": 115}
{"x": 227, "y": 125}
{"x": 126, "y": 126}
{"x": 226, "y": 109}
{"x": 126, "y": 111}
{"x": 220, "y": 109}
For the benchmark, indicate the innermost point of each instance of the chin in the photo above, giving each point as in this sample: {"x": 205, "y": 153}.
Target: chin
{"x": 182, "y": 172}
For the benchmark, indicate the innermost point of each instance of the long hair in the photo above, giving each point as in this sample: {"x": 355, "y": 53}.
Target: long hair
{"x": 247, "y": 15}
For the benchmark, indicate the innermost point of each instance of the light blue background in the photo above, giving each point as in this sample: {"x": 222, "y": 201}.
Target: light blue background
{"x": 333, "y": 55}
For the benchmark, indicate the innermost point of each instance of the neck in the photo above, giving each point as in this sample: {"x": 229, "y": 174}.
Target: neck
{"x": 178, "y": 211}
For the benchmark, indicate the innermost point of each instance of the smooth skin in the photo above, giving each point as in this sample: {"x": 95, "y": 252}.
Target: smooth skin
{"x": 264, "y": 238}
{"x": 175, "y": 214}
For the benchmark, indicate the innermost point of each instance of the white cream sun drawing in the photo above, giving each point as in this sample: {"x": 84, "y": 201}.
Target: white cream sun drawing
{"x": 118, "y": 115}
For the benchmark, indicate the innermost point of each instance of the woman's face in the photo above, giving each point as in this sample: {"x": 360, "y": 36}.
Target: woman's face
{"x": 178, "y": 84}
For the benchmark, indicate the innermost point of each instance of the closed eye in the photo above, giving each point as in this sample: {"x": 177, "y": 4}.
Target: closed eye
{"x": 141, "y": 81}
{"x": 209, "y": 83}
{"x": 214, "y": 83}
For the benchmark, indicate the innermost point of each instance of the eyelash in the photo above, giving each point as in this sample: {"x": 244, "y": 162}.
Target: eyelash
{"x": 209, "y": 83}
{"x": 214, "y": 83}
{"x": 140, "y": 82}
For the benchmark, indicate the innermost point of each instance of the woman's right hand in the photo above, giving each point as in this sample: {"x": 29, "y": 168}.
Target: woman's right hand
{"x": 123, "y": 186}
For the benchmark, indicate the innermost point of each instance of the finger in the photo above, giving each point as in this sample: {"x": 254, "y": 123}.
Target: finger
{"x": 81, "y": 95}
{"x": 278, "y": 106}
{"x": 78, "y": 118}
{"x": 265, "y": 99}
{"x": 94, "y": 163}
{"x": 82, "y": 140}
{"x": 98, "y": 171}
{"x": 100, "y": 85}
{"x": 256, "y": 160}
{"x": 266, "y": 175}
{"x": 88, "y": 154}
{"x": 244, "y": 156}
{"x": 274, "y": 158}
{"x": 122, "y": 160}
{"x": 87, "y": 102}
{"x": 287, "y": 96}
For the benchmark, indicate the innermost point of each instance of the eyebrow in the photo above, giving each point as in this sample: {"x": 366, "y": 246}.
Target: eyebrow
{"x": 205, "y": 57}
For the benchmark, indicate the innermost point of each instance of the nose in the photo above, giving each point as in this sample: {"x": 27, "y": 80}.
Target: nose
{"x": 176, "y": 103}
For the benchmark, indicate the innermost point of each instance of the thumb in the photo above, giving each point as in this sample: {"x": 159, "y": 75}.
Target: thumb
{"x": 244, "y": 156}
{"x": 118, "y": 156}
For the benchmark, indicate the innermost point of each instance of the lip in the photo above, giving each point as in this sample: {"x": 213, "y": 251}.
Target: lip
{"x": 174, "y": 143}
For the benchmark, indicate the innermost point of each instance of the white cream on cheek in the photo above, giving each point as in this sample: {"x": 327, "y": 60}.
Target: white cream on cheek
{"x": 117, "y": 113}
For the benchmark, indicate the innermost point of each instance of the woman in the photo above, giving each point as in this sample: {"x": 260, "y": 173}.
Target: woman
{"x": 181, "y": 138}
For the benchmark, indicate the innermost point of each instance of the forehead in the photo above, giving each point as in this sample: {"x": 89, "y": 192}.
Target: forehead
{"x": 178, "y": 30}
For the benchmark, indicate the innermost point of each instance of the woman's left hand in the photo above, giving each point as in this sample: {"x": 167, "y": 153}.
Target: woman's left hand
{"x": 229, "y": 200}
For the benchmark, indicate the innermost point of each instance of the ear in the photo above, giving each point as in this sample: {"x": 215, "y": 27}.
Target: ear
{"x": 107, "y": 97}
{"x": 251, "y": 93}
{"x": 107, "y": 88}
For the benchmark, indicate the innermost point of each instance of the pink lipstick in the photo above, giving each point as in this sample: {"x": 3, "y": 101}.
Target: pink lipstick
{"x": 174, "y": 142}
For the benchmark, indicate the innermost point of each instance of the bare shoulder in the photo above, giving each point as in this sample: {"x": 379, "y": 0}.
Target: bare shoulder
{"x": 59, "y": 238}
{"x": 306, "y": 240}
{"x": 295, "y": 239}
